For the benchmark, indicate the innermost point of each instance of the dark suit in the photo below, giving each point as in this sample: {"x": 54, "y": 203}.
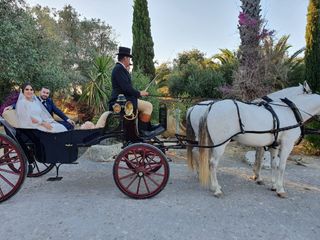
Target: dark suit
{"x": 121, "y": 84}
{"x": 52, "y": 109}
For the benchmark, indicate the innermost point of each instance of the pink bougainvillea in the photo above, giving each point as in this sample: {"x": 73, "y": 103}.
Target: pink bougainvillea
{"x": 246, "y": 20}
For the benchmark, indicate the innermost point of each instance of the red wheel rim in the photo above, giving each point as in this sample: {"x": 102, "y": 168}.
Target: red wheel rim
{"x": 12, "y": 168}
{"x": 141, "y": 171}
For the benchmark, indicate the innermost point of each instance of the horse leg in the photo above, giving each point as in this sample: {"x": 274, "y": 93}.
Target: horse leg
{"x": 274, "y": 166}
{"x": 257, "y": 165}
{"x": 284, "y": 154}
{"x": 214, "y": 161}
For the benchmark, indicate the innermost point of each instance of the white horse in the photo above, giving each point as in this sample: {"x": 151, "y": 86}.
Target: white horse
{"x": 195, "y": 113}
{"x": 223, "y": 124}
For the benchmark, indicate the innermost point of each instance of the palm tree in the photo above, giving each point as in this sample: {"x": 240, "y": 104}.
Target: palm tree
{"x": 228, "y": 63}
{"x": 248, "y": 80}
{"x": 226, "y": 56}
{"x": 277, "y": 63}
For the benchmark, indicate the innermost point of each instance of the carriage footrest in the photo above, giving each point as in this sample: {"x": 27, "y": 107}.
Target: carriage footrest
{"x": 53, "y": 179}
{"x": 56, "y": 178}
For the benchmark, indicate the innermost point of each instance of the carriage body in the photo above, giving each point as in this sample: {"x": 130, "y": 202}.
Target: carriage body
{"x": 33, "y": 153}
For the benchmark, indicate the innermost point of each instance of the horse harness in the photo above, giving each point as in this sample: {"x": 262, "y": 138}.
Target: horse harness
{"x": 298, "y": 117}
{"x": 266, "y": 103}
{"x": 276, "y": 123}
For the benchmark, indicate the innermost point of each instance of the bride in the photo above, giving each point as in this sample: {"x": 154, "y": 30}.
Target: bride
{"x": 32, "y": 114}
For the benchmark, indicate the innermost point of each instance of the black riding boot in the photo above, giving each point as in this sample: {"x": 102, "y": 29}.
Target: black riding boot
{"x": 147, "y": 130}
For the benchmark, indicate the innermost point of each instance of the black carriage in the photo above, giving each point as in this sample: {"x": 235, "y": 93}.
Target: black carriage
{"x": 140, "y": 170}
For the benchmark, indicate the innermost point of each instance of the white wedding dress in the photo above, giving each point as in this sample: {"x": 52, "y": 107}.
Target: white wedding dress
{"x": 34, "y": 108}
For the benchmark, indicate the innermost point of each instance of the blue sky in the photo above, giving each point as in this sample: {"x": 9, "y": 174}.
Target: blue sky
{"x": 179, "y": 25}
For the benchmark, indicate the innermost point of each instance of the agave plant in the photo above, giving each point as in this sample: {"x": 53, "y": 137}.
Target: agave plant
{"x": 97, "y": 91}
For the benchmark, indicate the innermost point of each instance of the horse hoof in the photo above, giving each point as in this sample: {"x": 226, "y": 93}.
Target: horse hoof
{"x": 253, "y": 178}
{"x": 218, "y": 195}
{"x": 273, "y": 189}
{"x": 260, "y": 182}
{"x": 282, "y": 195}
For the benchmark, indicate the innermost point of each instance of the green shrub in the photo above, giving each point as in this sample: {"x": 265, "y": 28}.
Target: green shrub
{"x": 196, "y": 81}
{"x": 314, "y": 140}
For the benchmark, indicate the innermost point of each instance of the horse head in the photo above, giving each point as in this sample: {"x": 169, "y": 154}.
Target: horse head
{"x": 291, "y": 91}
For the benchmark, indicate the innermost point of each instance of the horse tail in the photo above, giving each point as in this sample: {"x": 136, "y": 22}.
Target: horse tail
{"x": 204, "y": 153}
{"x": 190, "y": 136}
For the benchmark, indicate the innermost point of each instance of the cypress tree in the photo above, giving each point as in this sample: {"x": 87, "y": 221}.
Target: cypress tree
{"x": 312, "y": 53}
{"x": 142, "y": 48}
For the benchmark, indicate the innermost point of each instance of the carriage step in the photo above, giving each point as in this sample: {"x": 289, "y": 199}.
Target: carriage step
{"x": 56, "y": 178}
{"x": 53, "y": 179}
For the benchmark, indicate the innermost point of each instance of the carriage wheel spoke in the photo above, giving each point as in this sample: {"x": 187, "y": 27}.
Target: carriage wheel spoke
{"x": 135, "y": 155}
{"x": 152, "y": 180}
{"x": 6, "y": 163}
{"x": 138, "y": 186}
{"x": 126, "y": 176}
{"x": 128, "y": 186}
{"x": 6, "y": 155}
{"x": 153, "y": 167}
{"x": 126, "y": 168}
{"x": 11, "y": 172}
{"x": 130, "y": 163}
{"x": 146, "y": 184}
{"x": 7, "y": 181}
{"x": 158, "y": 174}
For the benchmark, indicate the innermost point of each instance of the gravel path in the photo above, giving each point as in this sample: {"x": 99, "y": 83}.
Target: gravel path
{"x": 87, "y": 205}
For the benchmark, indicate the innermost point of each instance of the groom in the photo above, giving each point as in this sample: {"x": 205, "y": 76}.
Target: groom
{"x": 51, "y": 107}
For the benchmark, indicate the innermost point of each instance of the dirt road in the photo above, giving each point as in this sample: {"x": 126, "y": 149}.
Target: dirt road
{"x": 87, "y": 205}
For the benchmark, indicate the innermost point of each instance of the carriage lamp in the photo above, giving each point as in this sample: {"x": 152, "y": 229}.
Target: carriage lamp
{"x": 129, "y": 111}
{"x": 116, "y": 108}
{"x": 128, "y": 108}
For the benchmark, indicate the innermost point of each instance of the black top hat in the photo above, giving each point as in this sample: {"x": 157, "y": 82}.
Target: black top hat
{"x": 124, "y": 51}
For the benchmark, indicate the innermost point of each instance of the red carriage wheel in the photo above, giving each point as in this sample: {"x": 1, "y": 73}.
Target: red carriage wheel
{"x": 141, "y": 171}
{"x": 11, "y": 157}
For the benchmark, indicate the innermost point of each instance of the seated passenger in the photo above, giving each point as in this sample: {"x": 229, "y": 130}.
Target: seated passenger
{"x": 51, "y": 108}
{"x": 121, "y": 84}
{"x": 100, "y": 124}
{"x": 32, "y": 114}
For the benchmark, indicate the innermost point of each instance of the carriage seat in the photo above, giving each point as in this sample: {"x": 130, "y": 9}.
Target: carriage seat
{"x": 11, "y": 117}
